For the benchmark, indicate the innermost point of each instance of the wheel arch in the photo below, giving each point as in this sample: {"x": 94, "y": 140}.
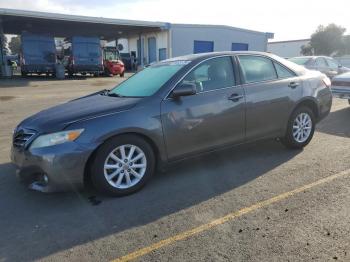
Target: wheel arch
{"x": 150, "y": 141}
{"x": 309, "y": 102}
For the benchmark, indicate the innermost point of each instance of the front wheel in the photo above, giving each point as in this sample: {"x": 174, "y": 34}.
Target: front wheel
{"x": 122, "y": 74}
{"x": 300, "y": 129}
{"x": 122, "y": 165}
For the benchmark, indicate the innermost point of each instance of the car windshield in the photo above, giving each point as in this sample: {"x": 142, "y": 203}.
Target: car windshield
{"x": 149, "y": 80}
{"x": 300, "y": 60}
{"x": 111, "y": 55}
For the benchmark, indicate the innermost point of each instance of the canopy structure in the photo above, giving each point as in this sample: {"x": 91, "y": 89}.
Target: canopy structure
{"x": 60, "y": 25}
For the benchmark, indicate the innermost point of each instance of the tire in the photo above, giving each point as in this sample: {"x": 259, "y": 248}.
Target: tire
{"x": 107, "y": 73}
{"x": 300, "y": 139}
{"x": 100, "y": 172}
{"x": 122, "y": 74}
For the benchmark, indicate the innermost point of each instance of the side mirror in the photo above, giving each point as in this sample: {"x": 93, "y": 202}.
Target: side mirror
{"x": 184, "y": 90}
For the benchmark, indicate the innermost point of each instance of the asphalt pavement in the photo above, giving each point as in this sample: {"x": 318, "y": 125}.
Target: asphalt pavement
{"x": 310, "y": 224}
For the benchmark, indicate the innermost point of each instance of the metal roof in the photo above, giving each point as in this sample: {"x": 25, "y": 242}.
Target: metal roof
{"x": 15, "y": 21}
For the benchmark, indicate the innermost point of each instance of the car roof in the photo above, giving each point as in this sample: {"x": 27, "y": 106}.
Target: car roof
{"x": 312, "y": 56}
{"x": 192, "y": 57}
{"x": 199, "y": 57}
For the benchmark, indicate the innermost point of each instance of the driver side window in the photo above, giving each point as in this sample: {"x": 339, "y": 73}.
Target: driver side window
{"x": 212, "y": 74}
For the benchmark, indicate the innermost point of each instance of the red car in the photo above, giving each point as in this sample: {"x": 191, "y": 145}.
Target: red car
{"x": 113, "y": 65}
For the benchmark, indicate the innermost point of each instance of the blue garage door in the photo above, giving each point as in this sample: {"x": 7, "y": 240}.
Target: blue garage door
{"x": 203, "y": 46}
{"x": 162, "y": 54}
{"x": 239, "y": 47}
{"x": 152, "y": 50}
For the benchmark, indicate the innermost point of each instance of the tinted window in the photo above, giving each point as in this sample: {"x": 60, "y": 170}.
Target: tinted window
{"x": 321, "y": 62}
{"x": 283, "y": 72}
{"x": 213, "y": 74}
{"x": 332, "y": 63}
{"x": 149, "y": 80}
{"x": 257, "y": 68}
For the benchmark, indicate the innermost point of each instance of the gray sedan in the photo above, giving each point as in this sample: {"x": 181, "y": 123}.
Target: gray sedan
{"x": 341, "y": 86}
{"x": 169, "y": 111}
{"x": 327, "y": 65}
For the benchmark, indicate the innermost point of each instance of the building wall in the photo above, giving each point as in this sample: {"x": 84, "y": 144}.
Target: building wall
{"x": 287, "y": 48}
{"x": 161, "y": 42}
{"x": 183, "y": 37}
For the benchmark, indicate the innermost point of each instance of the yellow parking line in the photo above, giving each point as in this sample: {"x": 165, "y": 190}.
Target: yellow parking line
{"x": 224, "y": 219}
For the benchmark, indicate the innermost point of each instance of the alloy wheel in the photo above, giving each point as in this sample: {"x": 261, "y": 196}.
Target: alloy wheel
{"x": 302, "y": 127}
{"x": 125, "y": 166}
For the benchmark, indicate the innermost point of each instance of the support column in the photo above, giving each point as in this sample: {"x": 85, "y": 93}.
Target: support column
{"x": 142, "y": 51}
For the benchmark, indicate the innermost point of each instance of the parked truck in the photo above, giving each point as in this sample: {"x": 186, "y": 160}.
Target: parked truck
{"x": 38, "y": 54}
{"x": 85, "y": 56}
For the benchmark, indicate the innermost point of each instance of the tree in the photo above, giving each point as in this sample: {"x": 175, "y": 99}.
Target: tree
{"x": 307, "y": 49}
{"x": 345, "y": 50}
{"x": 4, "y": 43}
{"x": 15, "y": 45}
{"x": 327, "y": 40}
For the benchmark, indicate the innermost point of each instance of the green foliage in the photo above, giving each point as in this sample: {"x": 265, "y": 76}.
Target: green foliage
{"x": 307, "y": 49}
{"x": 327, "y": 40}
{"x": 15, "y": 45}
{"x": 4, "y": 43}
{"x": 345, "y": 50}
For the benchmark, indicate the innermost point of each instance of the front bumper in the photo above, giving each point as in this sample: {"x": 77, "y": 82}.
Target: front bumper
{"x": 341, "y": 92}
{"x": 63, "y": 165}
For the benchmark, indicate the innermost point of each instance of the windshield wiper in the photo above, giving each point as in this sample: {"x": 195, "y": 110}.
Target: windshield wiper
{"x": 113, "y": 94}
{"x": 104, "y": 92}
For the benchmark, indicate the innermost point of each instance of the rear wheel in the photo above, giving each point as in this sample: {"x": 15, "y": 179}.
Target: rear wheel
{"x": 122, "y": 74}
{"x": 300, "y": 130}
{"x": 122, "y": 165}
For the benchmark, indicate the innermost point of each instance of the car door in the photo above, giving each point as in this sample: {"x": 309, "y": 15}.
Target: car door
{"x": 323, "y": 67}
{"x": 269, "y": 96}
{"x": 333, "y": 67}
{"x": 213, "y": 117}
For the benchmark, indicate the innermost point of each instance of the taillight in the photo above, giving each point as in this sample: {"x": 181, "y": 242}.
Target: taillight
{"x": 327, "y": 82}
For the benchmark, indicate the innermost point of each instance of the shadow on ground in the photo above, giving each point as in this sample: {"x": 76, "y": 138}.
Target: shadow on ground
{"x": 34, "y": 225}
{"x": 337, "y": 124}
{"x": 19, "y": 81}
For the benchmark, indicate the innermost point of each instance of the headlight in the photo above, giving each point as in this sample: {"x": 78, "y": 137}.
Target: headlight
{"x": 56, "y": 138}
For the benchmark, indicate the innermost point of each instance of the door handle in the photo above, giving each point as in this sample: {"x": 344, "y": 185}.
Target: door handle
{"x": 293, "y": 84}
{"x": 235, "y": 97}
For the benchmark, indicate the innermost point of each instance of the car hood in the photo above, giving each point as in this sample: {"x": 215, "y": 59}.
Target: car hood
{"x": 96, "y": 105}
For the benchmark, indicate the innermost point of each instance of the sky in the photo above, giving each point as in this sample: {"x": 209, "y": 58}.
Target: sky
{"x": 289, "y": 20}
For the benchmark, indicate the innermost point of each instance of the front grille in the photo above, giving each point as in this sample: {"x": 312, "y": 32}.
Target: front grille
{"x": 341, "y": 83}
{"x": 21, "y": 137}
